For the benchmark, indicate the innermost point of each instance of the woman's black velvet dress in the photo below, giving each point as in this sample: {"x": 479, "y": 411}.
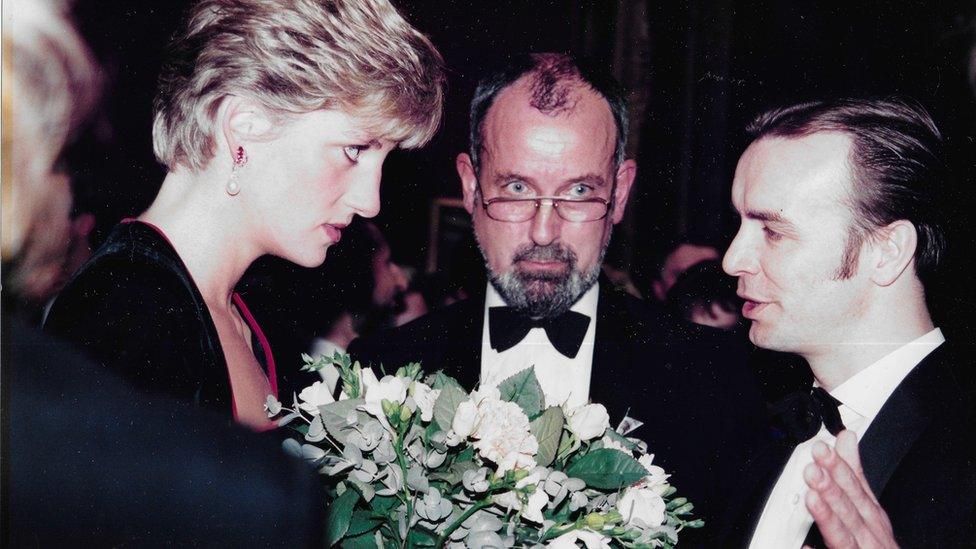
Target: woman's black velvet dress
{"x": 135, "y": 308}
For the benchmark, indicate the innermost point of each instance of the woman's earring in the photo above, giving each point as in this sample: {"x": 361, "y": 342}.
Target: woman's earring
{"x": 240, "y": 160}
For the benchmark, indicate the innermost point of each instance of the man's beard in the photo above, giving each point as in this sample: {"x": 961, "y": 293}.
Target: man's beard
{"x": 544, "y": 294}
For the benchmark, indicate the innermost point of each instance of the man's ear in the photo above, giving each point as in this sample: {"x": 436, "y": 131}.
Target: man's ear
{"x": 625, "y": 180}
{"x": 242, "y": 121}
{"x": 469, "y": 182}
{"x": 895, "y": 246}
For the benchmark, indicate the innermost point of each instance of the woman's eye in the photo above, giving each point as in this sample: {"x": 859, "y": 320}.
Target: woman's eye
{"x": 352, "y": 152}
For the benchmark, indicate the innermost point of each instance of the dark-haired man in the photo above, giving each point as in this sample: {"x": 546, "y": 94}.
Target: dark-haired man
{"x": 545, "y": 181}
{"x": 840, "y": 232}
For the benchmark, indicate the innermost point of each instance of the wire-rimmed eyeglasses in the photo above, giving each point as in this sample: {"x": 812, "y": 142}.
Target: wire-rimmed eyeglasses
{"x": 518, "y": 210}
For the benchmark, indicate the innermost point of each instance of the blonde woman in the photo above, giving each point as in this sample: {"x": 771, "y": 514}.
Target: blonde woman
{"x": 273, "y": 119}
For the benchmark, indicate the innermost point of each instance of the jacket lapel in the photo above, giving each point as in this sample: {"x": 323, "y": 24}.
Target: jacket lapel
{"x": 462, "y": 342}
{"x": 904, "y": 416}
{"x": 610, "y": 359}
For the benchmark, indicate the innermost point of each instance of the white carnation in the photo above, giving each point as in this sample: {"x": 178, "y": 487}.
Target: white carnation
{"x": 503, "y": 435}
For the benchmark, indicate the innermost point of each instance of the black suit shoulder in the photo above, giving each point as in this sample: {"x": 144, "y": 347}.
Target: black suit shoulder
{"x": 135, "y": 309}
{"x": 428, "y": 339}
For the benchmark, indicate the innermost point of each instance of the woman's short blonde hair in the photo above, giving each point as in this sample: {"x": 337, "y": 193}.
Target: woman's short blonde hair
{"x": 296, "y": 56}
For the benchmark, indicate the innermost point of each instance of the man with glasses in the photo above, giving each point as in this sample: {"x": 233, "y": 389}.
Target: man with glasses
{"x": 545, "y": 181}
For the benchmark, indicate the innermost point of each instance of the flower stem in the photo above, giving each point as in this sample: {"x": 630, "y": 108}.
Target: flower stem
{"x": 457, "y": 523}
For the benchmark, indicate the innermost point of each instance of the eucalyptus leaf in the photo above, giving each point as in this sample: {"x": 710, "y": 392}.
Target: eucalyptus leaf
{"x": 316, "y": 431}
{"x": 292, "y": 447}
{"x": 285, "y": 420}
{"x": 339, "y": 516}
{"x": 607, "y": 469}
{"x": 547, "y": 428}
{"x": 335, "y": 417}
{"x": 447, "y": 404}
{"x": 366, "y": 489}
{"x": 523, "y": 389}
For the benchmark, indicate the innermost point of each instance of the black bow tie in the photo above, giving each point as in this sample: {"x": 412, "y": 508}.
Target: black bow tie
{"x": 506, "y": 327}
{"x": 802, "y": 414}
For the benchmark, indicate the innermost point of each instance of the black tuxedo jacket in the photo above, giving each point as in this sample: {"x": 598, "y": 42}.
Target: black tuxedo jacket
{"x": 919, "y": 456}
{"x": 700, "y": 406}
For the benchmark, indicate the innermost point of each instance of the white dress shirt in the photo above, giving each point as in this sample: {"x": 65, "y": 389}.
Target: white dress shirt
{"x": 564, "y": 380}
{"x": 785, "y": 520}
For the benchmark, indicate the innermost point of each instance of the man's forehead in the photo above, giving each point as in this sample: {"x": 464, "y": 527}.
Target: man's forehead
{"x": 584, "y": 119}
{"x": 783, "y": 176}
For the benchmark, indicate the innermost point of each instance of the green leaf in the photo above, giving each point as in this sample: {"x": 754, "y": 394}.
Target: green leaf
{"x": 447, "y": 404}
{"x": 617, "y": 437}
{"x": 339, "y": 515}
{"x": 523, "y": 389}
{"x": 441, "y": 380}
{"x": 362, "y": 521}
{"x": 334, "y": 417}
{"x": 421, "y": 537}
{"x": 362, "y": 541}
{"x": 547, "y": 429}
{"x": 607, "y": 469}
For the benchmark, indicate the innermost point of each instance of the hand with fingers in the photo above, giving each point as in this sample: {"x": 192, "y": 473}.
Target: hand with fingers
{"x": 840, "y": 499}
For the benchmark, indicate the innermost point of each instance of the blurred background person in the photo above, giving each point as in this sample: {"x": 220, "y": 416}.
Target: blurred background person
{"x": 273, "y": 119}
{"x": 675, "y": 261}
{"x": 705, "y": 295}
{"x": 84, "y": 462}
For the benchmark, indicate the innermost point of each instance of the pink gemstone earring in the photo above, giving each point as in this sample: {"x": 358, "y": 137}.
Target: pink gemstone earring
{"x": 240, "y": 160}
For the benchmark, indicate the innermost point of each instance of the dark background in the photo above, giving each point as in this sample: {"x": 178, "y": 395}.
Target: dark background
{"x": 697, "y": 72}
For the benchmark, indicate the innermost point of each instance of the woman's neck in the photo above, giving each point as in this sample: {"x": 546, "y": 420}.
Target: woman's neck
{"x": 208, "y": 231}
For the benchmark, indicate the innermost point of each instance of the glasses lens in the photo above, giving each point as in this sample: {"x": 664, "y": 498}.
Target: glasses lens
{"x": 512, "y": 210}
{"x": 581, "y": 211}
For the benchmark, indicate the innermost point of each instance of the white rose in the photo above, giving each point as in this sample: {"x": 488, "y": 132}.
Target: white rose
{"x": 588, "y": 421}
{"x": 425, "y": 397}
{"x": 313, "y": 396}
{"x": 390, "y": 388}
{"x": 465, "y": 420}
{"x": 641, "y": 507}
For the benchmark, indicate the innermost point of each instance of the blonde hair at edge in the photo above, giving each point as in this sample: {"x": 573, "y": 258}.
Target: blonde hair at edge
{"x": 50, "y": 85}
{"x": 296, "y": 56}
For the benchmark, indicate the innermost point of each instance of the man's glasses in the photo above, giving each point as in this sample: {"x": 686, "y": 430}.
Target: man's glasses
{"x": 518, "y": 210}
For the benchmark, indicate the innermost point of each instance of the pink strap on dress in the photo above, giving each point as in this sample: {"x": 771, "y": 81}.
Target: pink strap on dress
{"x": 248, "y": 317}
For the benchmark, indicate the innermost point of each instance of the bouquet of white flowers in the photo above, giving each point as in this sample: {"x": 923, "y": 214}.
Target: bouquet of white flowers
{"x": 418, "y": 461}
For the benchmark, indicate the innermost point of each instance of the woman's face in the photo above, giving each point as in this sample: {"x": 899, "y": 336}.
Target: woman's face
{"x": 305, "y": 184}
